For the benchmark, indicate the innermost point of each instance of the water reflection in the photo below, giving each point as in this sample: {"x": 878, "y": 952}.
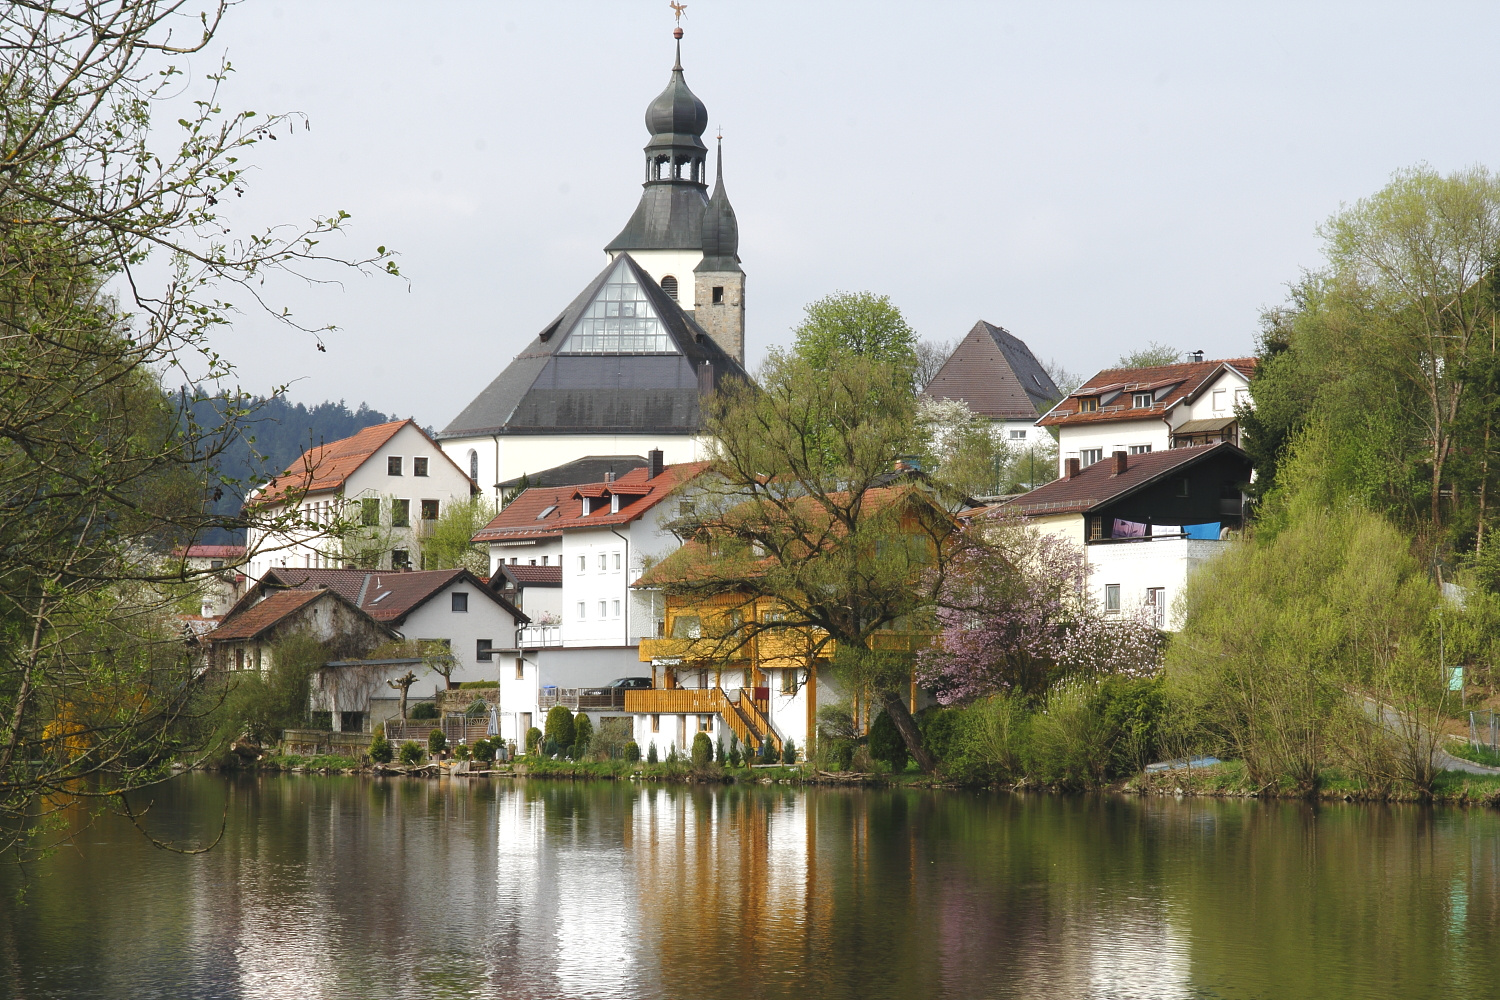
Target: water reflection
{"x": 345, "y": 887}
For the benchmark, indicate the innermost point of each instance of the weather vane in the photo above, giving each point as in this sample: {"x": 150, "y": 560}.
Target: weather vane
{"x": 678, "y": 9}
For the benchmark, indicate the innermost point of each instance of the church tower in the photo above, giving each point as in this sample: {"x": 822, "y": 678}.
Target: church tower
{"x": 670, "y": 232}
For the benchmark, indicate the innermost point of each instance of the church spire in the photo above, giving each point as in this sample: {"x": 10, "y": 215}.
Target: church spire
{"x": 721, "y": 230}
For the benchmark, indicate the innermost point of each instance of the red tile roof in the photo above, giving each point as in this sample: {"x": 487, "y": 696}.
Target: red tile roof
{"x": 385, "y": 596}
{"x": 257, "y": 618}
{"x": 546, "y": 576}
{"x": 1098, "y": 484}
{"x": 1185, "y": 381}
{"x": 329, "y": 466}
{"x": 545, "y": 512}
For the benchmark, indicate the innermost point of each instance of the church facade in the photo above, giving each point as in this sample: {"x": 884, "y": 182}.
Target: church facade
{"x": 626, "y": 367}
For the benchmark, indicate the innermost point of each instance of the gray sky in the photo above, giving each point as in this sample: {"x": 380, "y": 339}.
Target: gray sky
{"x": 1091, "y": 177}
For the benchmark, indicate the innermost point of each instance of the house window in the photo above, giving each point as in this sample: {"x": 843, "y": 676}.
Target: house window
{"x": 1089, "y": 456}
{"x": 1182, "y": 487}
{"x": 520, "y": 669}
{"x": 1240, "y": 397}
{"x": 429, "y": 510}
{"x": 581, "y": 612}
{"x": 544, "y": 560}
{"x": 583, "y": 563}
{"x": 617, "y": 562}
{"x": 419, "y": 466}
{"x": 603, "y": 609}
{"x": 704, "y": 723}
{"x": 400, "y": 513}
{"x": 603, "y": 561}
{"x": 718, "y": 295}
{"x": 1096, "y": 527}
{"x": 1140, "y": 449}
{"x": 1019, "y": 435}
{"x": 393, "y": 465}
{"x": 484, "y": 649}
{"x": 473, "y": 465}
{"x": 1088, "y": 404}
{"x": 239, "y": 658}
{"x": 1111, "y": 598}
{"x": 1156, "y": 600}
{"x": 216, "y": 564}
{"x": 369, "y": 512}
{"x": 656, "y": 723}
{"x": 1143, "y": 400}
{"x": 617, "y": 609}
{"x": 514, "y": 560}
{"x": 400, "y": 559}
{"x": 460, "y": 603}
{"x": 531, "y": 562}
{"x": 1219, "y": 400}
{"x": 669, "y": 285}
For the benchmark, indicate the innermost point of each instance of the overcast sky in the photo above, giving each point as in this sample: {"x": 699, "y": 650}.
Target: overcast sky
{"x": 1091, "y": 177}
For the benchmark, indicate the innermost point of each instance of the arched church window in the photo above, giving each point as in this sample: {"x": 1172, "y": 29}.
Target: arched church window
{"x": 474, "y": 465}
{"x": 669, "y": 285}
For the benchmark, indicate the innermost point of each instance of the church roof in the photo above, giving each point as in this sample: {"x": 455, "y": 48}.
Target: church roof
{"x": 996, "y": 374}
{"x": 721, "y": 230}
{"x": 622, "y": 358}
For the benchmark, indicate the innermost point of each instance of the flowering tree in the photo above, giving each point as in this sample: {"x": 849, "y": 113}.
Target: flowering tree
{"x": 1016, "y": 618}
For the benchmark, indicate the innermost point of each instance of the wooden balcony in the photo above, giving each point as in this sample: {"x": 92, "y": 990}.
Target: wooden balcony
{"x": 745, "y": 716}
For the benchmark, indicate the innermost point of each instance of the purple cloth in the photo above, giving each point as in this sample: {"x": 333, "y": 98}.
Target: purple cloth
{"x": 1128, "y": 529}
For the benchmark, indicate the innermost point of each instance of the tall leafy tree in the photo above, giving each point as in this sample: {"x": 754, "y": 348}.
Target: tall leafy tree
{"x": 858, "y": 324}
{"x": 99, "y": 475}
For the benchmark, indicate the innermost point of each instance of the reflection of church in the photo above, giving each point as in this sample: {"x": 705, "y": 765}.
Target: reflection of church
{"x": 624, "y": 368}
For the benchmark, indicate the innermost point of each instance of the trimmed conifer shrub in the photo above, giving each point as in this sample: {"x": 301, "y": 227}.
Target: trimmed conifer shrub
{"x": 632, "y": 751}
{"x": 411, "y": 753}
{"x": 533, "y": 739}
{"x": 381, "y": 751}
{"x": 651, "y": 754}
{"x": 583, "y": 735}
{"x": 886, "y": 744}
{"x": 560, "y": 727}
{"x": 789, "y": 752}
{"x": 436, "y": 742}
{"x": 703, "y": 750}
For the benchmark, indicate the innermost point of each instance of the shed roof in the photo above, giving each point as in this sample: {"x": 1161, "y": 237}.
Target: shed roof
{"x": 1099, "y": 484}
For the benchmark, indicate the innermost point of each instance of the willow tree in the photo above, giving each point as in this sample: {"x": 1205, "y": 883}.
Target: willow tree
{"x": 115, "y": 267}
{"x": 810, "y": 501}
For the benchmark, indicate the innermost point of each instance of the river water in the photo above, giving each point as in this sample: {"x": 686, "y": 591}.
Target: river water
{"x": 356, "y": 887}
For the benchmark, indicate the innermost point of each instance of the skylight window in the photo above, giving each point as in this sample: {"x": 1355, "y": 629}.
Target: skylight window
{"x": 620, "y": 320}
{"x": 546, "y": 512}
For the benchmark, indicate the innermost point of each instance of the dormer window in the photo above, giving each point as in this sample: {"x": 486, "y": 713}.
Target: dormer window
{"x": 1088, "y": 404}
{"x": 614, "y": 503}
{"x": 1143, "y": 400}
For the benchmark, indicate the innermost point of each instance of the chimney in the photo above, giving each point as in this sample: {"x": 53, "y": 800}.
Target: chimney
{"x": 1120, "y": 462}
{"x": 609, "y": 477}
{"x": 654, "y": 456}
{"x": 1072, "y": 467}
{"x": 1196, "y": 356}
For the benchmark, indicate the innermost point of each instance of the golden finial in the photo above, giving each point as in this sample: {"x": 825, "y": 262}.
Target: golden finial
{"x": 678, "y": 9}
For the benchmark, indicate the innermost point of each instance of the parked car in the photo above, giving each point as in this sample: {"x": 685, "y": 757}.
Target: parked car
{"x": 621, "y": 684}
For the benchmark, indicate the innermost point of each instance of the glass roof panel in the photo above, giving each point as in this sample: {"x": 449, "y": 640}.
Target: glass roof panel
{"x": 620, "y": 320}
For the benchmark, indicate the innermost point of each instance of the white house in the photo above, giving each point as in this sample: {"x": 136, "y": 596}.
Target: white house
{"x": 1142, "y": 410}
{"x": 1145, "y": 521}
{"x": 599, "y": 537}
{"x": 388, "y": 483}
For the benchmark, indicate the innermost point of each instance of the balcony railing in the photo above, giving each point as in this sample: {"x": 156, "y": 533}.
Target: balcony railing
{"x": 582, "y": 699}
{"x": 533, "y": 636}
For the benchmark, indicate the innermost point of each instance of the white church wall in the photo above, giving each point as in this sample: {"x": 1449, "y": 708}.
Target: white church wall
{"x": 678, "y": 263}
{"x": 510, "y": 456}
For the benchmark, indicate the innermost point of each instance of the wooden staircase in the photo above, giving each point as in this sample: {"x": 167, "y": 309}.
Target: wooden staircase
{"x": 744, "y": 716}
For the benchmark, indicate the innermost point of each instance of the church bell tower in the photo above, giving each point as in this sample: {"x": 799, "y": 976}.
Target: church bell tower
{"x": 687, "y": 241}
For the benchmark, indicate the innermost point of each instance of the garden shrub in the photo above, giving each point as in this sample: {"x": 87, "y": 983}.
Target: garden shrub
{"x": 436, "y": 742}
{"x": 720, "y": 754}
{"x": 703, "y": 750}
{"x": 789, "y": 752}
{"x": 841, "y": 752}
{"x": 533, "y": 739}
{"x": 462, "y": 752}
{"x": 549, "y": 748}
{"x": 632, "y": 751}
{"x": 560, "y": 727}
{"x": 735, "y": 760}
{"x": 651, "y": 754}
{"x": 768, "y": 754}
{"x": 466, "y": 685}
{"x": 610, "y": 739}
{"x": 411, "y": 753}
{"x": 583, "y": 735}
{"x": 381, "y": 751}
{"x": 484, "y": 751}
{"x": 423, "y": 710}
{"x": 887, "y": 744}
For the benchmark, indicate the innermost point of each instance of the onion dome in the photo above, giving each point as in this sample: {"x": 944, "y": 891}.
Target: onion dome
{"x": 677, "y": 110}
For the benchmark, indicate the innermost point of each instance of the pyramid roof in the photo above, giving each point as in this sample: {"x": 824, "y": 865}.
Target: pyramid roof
{"x": 996, "y": 374}
{"x": 623, "y": 357}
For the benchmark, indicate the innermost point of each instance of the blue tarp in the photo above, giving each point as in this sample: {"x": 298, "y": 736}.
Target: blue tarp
{"x": 1207, "y": 532}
